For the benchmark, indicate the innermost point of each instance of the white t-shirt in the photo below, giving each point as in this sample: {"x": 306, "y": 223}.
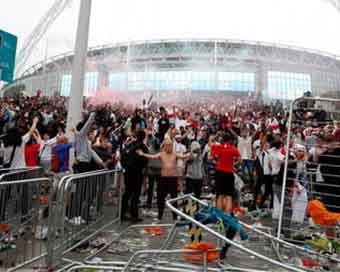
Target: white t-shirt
{"x": 19, "y": 155}
{"x": 276, "y": 159}
{"x": 245, "y": 148}
{"x": 46, "y": 149}
{"x": 256, "y": 146}
{"x": 179, "y": 149}
{"x": 180, "y": 123}
{"x": 265, "y": 162}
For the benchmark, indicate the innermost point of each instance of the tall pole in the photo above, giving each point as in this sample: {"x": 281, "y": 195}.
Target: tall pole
{"x": 78, "y": 69}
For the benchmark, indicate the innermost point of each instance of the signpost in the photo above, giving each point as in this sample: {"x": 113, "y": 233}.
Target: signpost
{"x": 8, "y": 46}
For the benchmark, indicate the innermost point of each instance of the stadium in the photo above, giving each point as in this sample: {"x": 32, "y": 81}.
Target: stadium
{"x": 229, "y": 66}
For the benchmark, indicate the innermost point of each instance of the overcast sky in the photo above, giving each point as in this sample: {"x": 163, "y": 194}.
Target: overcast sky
{"x": 307, "y": 23}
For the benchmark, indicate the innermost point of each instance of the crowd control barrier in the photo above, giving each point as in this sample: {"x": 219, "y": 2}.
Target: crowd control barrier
{"x": 23, "y": 221}
{"x": 12, "y": 174}
{"x": 83, "y": 205}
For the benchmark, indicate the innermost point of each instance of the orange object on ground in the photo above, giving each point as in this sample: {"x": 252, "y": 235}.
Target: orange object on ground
{"x": 202, "y": 247}
{"x": 4, "y": 228}
{"x": 154, "y": 230}
{"x": 321, "y": 216}
{"x": 239, "y": 210}
{"x": 43, "y": 200}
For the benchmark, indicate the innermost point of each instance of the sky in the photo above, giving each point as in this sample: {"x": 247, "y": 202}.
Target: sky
{"x": 311, "y": 24}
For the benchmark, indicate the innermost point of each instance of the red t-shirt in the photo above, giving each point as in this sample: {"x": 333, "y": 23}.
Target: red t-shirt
{"x": 31, "y": 155}
{"x": 225, "y": 155}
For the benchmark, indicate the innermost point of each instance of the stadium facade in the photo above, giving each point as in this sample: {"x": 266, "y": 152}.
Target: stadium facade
{"x": 242, "y": 67}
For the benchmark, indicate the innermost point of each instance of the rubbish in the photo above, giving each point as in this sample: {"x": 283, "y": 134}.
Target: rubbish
{"x": 202, "y": 248}
{"x": 309, "y": 263}
{"x": 4, "y": 228}
{"x": 43, "y": 200}
{"x": 156, "y": 231}
{"x": 41, "y": 232}
{"x": 96, "y": 260}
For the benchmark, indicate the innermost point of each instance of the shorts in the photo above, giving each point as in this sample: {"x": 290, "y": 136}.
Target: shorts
{"x": 225, "y": 184}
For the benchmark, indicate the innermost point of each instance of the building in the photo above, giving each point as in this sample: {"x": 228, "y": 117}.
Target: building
{"x": 242, "y": 67}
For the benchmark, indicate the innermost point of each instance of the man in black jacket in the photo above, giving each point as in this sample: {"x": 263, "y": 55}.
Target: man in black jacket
{"x": 133, "y": 177}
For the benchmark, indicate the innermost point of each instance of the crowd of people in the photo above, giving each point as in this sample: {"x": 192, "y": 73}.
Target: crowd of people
{"x": 190, "y": 147}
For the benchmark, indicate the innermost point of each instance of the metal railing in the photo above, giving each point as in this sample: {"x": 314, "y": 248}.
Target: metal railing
{"x": 276, "y": 263}
{"x": 161, "y": 266}
{"x": 83, "y": 205}
{"x": 311, "y": 174}
{"x": 23, "y": 221}
{"x": 11, "y": 174}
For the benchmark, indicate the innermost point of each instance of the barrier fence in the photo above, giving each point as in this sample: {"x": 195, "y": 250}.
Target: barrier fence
{"x": 12, "y": 174}
{"x": 83, "y": 205}
{"x": 23, "y": 221}
{"x": 311, "y": 184}
{"x": 274, "y": 260}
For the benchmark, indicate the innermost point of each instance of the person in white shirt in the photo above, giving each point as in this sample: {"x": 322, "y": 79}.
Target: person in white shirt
{"x": 246, "y": 150}
{"x": 180, "y": 149}
{"x": 277, "y": 162}
{"x": 180, "y": 122}
{"x": 45, "y": 153}
{"x": 264, "y": 174}
{"x": 14, "y": 152}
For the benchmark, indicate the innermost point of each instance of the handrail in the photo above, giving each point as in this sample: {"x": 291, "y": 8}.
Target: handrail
{"x": 56, "y": 224}
{"x": 223, "y": 238}
{"x": 3, "y": 183}
{"x": 280, "y": 241}
{"x": 16, "y": 171}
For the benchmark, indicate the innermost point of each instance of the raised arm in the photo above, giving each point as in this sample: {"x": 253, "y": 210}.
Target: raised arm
{"x": 37, "y": 136}
{"x": 28, "y": 135}
{"x": 233, "y": 132}
{"x": 86, "y": 128}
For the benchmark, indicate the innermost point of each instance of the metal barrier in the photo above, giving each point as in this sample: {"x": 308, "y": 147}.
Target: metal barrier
{"x": 277, "y": 243}
{"x": 241, "y": 248}
{"x": 12, "y": 174}
{"x": 23, "y": 221}
{"x": 312, "y": 166}
{"x": 161, "y": 266}
{"x": 83, "y": 205}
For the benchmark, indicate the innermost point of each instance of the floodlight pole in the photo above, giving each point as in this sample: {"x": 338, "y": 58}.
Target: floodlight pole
{"x": 78, "y": 70}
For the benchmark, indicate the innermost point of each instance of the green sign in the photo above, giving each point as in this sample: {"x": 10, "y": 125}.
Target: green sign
{"x": 8, "y": 47}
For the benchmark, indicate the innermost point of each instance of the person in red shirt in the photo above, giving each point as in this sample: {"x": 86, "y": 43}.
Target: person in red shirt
{"x": 32, "y": 151}
{"x": 226, "y": 156}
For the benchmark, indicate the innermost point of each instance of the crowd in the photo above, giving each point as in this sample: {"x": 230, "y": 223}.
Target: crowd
{"x": 190, "y": 147}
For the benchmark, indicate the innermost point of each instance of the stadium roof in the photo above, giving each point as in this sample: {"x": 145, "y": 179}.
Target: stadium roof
{"x": 306, "y": 23}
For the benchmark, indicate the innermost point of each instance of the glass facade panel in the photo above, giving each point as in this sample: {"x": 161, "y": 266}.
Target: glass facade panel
{"x": 90, "y": 84}
{"x": 236, "y": 81}
{"x": 118, "y": 81}
{"x": 183, "y": 80}
{"x": 65, "y": 88}
{"x": 203, "y": 81}
{"x": 285, "y": 85}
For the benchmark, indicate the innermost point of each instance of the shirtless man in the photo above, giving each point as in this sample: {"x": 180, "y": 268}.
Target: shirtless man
{"x": 169, "y": 173}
